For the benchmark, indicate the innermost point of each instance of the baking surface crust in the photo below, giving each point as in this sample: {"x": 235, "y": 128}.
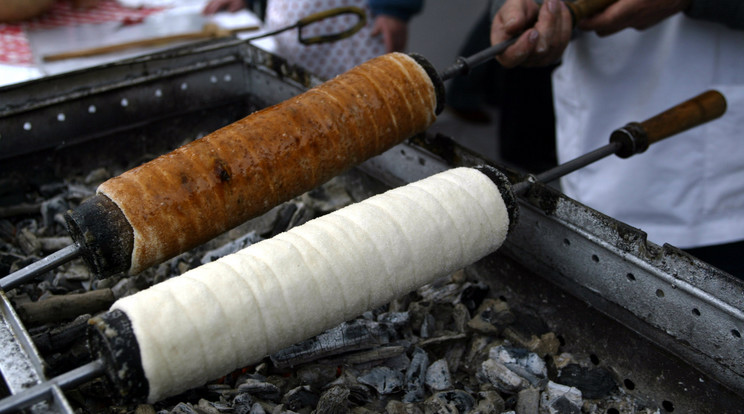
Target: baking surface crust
{"x": 185, "y": 198}
{"x": 296, "y": 285}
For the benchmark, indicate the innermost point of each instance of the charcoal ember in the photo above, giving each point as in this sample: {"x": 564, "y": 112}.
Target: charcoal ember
{"x": 76, "y": 272}
{"x": 231, "y": 247}
{"x": 438, "y": 377}
{"x": 144, "y": 409}
{"x": 97, "y": 176}
{"x": 260, "y": 389}
{"x": 348, "y": 336}
{"x": 399, "y": 407}
{"x": 418, "y": 312}
{"x": 300, "y": 397}
{"x": 501, "y": 377}
{"x": 473, "y": 294}
{"x": 460, "y": 318}
{"x": 383, "y": 379}
{"x": 9, "y": 261}
{"x": 49, "y": 190}
{"x": 329, "y": 197}
{"x": 492, "y": 317}
{"x": 76, "y": 193}
{"x": 184, "y": 408}
{"x": 543, "y": 345}
{"x": 453, "y": 401}
{"x": 7, "y": 231}
{"x": 428, "y": 326}
{"x": 52, "y": 244}
{"x": 397, "y": 319}
{"x": 359, "y": 394}
{"x": 560, "y": 399}
{"x": 415, "y": 378}
{"x": 257, "y": 409}
{"x": 210, "y": 407}
{"x": 593, "y": 383}
{"x": 316, "y": 375}
{"x": 335, "y": 400}
{"x": 440, "y": 291}
{"x": 489, "y": 401}
{"x": 28, "y": 242}
{"x": 526, "y": 364}
{"x": 390, "y": 356}
{"x": 528, "y": 401}
{"x": 52, "y": 209}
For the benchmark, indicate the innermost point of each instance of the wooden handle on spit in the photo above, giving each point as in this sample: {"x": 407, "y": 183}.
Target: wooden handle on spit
{"x": 636, "y": 137}
{"x": 703, "y": 108}
{"x": 581, "y": 9}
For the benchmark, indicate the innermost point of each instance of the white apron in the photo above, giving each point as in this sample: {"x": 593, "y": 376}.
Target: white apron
{"x": 329, "y": 59}
{"x": 687, "y": 190}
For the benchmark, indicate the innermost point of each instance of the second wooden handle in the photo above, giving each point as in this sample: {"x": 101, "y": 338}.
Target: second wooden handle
{"x": 703, "y": 108}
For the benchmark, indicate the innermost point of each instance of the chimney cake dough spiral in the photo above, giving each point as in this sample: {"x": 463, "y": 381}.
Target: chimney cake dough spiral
{"x": 301, "y": 282}
{"x": 185, "y": 198}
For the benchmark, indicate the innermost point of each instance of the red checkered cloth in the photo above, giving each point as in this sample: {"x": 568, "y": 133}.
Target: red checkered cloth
{"x": 14, "y": 46}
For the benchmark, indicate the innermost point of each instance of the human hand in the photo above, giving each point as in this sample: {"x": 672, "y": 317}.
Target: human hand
{"x": 546, "y": 32}
{"x": 394, "y": 32}
{"x": 638, "y": 14}
{"x": 216, "y": 5}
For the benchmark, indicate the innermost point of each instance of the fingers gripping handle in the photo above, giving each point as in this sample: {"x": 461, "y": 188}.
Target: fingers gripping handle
{"x": 581, "y": 9}
{"x": 635, "y": 137}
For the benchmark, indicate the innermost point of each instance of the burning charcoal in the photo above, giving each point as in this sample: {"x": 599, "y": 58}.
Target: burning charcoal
{"x": 62, "y": 336}
{"x": 300, "y": 397}
{"x": 257, "y": 409}
{"x": 77, "y": 193}
{"x": 428, "y": 326}
{"x": 418, "y": 312}
{"x": 491, "y": 317}
{"x": 415, "y": 376}
{"x": 28, "y": 242}
{"x": 374, "y": 355}
{"x": 348, "y": 336}
{"x": 383, "y": 379}
{"x": 144, "y": 409}
{"x": 51, "y": 208}
{"x": 184, "y": 408}
{"x": 453, "y": 401}
{"x": 52, "y": 244}
{"x": 316, "y": 375}
{"x": 7, "y": 230}
{"x": 77, "y": 272}
{"x": 397, "y": 319}
{"x": 460, "y": 318}
{"x": 545, "y": 344}
{"x": 489, "y": 401}
{"x": 65, "y": 307}
{"x": 563, "y": 360}
{"x": 527, "y": 364}
{"x": 231, "y": 247}
{"x": 8, "y": 262}
{"x": 329, "y": 197}
{"x": 398, "y": 407}
{"x": 22, "y": 209}
{"x": 528, "y": 401}
{"x": 593, "y": 383}
{"x": 561, "y": 399}
{"x": 438, "y": 376}
{"x": 441, "y": 291}
{"x": 473, "y": 295}
{"x": 335, "y": 400}
{"x": 208, "y": 407}
{"x": 359, "y": 394}
{"x": 260, "y": 389}
{"x": 49, "y": 190}
{"x": 97, "y": 176}
{"x": 501, "y": 377}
